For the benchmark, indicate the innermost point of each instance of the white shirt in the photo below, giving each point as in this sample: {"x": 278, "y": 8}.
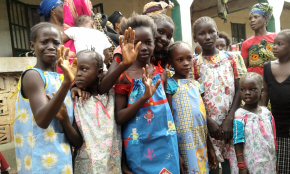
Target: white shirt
{"x": 87, "y": 38}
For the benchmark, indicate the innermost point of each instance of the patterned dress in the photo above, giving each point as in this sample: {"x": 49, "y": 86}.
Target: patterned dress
{"x": 217, "y": 76}
{"x": 150, "y": 140}
{"x": 257, "y": 132}
{"x": 41, "y": 150}
{"x": 101, "y": 151}
{"x": 190, "y": 119}
{"x": 258, "y": 50}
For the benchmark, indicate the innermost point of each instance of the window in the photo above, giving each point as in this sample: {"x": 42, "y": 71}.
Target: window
{"x": 98, "y": 8}
{"x": 21, "y": 18}
{"x": 238, "y": 32}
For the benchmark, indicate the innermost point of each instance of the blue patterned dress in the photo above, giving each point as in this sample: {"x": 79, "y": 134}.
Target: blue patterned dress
{"x": 150, "y": 139}
{"x": 190, "y": 119}
{"x": 38, "y": 150}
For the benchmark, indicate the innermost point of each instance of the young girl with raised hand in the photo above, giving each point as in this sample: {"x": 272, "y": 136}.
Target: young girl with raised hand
{"x": 43, "y": 126}
{"x": 101, "y": 150}
{"x": 277, "y": 89}
{"x": 218, "y": 74}
{"x": 188, "y": 110}
{"x": 254, "y": 130}
{"x": 149, "y": 134}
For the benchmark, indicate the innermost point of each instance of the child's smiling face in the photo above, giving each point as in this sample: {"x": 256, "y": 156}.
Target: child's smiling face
{"x": 163, "y": 35}
{"x": 145, "y": 36}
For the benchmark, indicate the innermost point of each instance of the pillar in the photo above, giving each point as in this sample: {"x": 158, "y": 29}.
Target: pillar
{"x": 182, "y": 19}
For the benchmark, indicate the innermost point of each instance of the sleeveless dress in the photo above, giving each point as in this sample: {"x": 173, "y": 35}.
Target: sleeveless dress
{"x": 190, "y": 119}
{"x": 101, "y": 150}
{"x": 41, "y": 150}
{"x": 150, "y": 140}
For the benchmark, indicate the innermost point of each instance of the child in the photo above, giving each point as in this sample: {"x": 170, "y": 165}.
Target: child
{"x": 277, "y": 87}
{"x": 149, "y": 135}
{"x": 254, "y": 130}
{"x": 188, "y": 110}
{"x": 258, "y": 49}
{"x": 163, "y": 36}
{"x": 223, "y": 42}
{"x": 218, "y": 74}
{"x": 101, "y": 151}
{"x": 85, "y": 36}
{"x": 43, "y": 124}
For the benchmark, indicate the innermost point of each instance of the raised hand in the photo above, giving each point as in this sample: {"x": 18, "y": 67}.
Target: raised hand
{"x": 147, "y": 80}
{"x": 64, "y": 64}
{"x": 129, "y": 49}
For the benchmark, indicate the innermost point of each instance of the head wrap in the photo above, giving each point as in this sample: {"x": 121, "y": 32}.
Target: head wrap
{"x": 114, "y": 18}
{"x": 263, "y": 9}
{"x": 157, "y": 7}
{"x": 46, "y": 6}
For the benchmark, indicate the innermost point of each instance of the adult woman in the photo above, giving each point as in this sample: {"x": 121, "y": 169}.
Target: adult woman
{"x": 258, "y": 49}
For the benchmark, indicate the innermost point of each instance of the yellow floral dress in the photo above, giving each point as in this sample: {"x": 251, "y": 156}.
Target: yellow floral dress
{"x": 41, "y": 150}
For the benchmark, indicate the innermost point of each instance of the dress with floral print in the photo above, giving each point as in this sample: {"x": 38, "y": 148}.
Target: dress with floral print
{"x": 257, "y": 132}
{"x": 41, "y": 150}
{"x": 102, "y": 147}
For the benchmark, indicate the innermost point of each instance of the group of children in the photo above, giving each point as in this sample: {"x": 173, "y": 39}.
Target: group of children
{"x": 137, "y": 119}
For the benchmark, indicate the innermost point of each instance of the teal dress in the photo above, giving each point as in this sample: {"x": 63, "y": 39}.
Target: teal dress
{"x": 190, "y": 119}
{"x": 41, "y": 150}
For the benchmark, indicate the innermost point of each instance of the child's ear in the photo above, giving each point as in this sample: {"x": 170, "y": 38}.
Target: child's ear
{"x": 32, "y": 45}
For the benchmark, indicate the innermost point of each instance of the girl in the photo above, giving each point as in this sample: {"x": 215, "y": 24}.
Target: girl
{"x": 254, "y": 130}
{"x": 188, "y": 110}
{"x": 149, "y": 134}
{"x": 163, "y": 36}
{"x": 258, "y": 49}
{"x": 218, "y": 74}
{"x": 43, "y": 124}
{"x": 223, "y": 42}
{"x": 277, "y": 87}
{"x": 101, "y": 151}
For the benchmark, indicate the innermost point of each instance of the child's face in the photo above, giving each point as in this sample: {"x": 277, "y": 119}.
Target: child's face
{"x": 182, "y": 61}
{"x": 206, "y": 35}
{"x": 257, "y": 21}
{"x": 281, "y": 47}
{"x": 163, "y": 35}
{"x": 87, "y": 71}
{"x": 250, "y": 91}
{"x": 144, "y": 35}
{"x": 221, "y": 44}
{"x": 45, "y": 45}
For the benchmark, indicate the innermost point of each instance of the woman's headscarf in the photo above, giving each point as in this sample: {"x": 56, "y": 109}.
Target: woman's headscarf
{"x": 263, "y": 9}
{"x": 46, "y": 6}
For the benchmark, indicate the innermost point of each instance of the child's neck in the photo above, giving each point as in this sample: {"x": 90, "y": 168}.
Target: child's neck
{"x": 179, "y": 76}
{"x": 284, "y": 60}
{"x": 45, "y": 68}
{"x": 210, "y": 52}
{"x": 255, "y": 108}
{"x": 94, "y": 90}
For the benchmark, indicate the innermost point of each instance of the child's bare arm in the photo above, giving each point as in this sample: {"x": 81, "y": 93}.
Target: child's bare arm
{"x": 265, "y": 95}
{"x": 227, "y": 124}
{"x": 45, "y": 110}
{"x": 129, "y": 55}
{"x": 239, "y": 149}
